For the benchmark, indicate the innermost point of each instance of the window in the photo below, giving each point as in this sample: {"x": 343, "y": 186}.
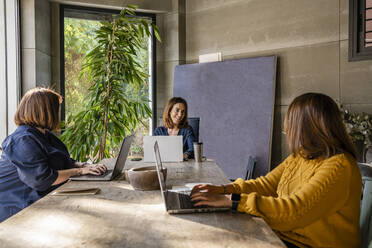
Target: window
{"x": 9, "y": 65}
{"x": 360, "y": 30}
{"x": 77, "y": 31}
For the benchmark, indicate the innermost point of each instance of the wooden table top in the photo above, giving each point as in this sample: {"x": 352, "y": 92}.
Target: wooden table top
{"x": 120, "y": 216}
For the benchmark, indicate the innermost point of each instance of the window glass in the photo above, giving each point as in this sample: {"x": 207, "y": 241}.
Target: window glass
{"x": 79, "y": 38}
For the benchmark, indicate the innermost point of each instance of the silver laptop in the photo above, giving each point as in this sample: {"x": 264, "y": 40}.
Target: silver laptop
{"x": 119, "y": 165}
{"x": 176, "y": 202}
{"x": 171, "y": 148}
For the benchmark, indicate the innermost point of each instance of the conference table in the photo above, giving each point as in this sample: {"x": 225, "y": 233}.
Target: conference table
{"x": 119, "y": 216}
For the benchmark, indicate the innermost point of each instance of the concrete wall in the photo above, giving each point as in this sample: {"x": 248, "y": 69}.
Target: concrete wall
{"x": 152, "y": 6}
{"x": 310, "y": 39}
{"x": 36, "y": 43}
{"x": 171, "y": 51}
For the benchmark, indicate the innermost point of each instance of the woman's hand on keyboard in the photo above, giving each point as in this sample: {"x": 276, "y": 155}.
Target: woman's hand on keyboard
{"x": 93, "y": 169}
{"x": 211, "y": 200}
{"x": 216, "y": 189}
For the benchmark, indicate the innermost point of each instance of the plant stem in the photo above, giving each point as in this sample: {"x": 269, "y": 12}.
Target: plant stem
{"x": 102, "y": 147}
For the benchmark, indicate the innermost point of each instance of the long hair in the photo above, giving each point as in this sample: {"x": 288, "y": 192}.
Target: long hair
{"x": 314, "y": 127}
{"x": 39, "y": 107}
{"x": 167, "y": 120}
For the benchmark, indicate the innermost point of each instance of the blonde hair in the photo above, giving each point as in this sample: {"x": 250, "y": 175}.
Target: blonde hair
{"x": 39, "y": 107}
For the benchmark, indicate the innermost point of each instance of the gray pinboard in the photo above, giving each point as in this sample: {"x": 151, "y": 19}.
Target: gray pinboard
{"x": 235, "y": 102}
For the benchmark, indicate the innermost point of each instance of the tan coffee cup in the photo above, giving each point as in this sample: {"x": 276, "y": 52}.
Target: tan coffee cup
{"x": 198, "y": 151}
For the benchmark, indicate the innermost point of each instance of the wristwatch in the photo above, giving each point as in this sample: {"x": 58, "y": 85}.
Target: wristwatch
{"x": 235, "y": 198}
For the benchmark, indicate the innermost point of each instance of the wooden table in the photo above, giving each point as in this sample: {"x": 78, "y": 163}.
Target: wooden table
{"x": 122, "y": 217}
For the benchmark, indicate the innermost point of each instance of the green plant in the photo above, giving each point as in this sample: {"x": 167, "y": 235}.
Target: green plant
{"x": 359, "y": 126}
{"x": 79, "y": 39}
{"x": 136, "y": 149}
{"x": 112, "y": 67}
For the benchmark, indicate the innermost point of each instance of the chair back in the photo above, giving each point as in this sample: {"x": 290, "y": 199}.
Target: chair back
{"x": 365, "y": 169}
{"x": 250, "y": 168}
{"x": 365, "y": 214}
{"x": 194, "y": 123}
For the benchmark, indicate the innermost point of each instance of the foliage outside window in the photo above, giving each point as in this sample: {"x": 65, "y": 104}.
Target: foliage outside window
{"x": 79, "y": 39}
{"x": 111, "y": 110}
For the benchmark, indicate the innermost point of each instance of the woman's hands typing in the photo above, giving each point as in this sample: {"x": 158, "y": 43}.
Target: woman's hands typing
{"x": 92, "y": 169}
{"x": 210, "y": 195}
{"x": 209, "y": 188}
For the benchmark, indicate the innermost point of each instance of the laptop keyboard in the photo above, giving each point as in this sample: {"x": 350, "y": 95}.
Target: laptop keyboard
{"x": 95, "y": 176}
{"x": 185, "y": 201}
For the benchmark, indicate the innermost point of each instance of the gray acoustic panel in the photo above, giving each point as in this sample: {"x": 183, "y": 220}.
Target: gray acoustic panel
{"x": 235, "y": 101}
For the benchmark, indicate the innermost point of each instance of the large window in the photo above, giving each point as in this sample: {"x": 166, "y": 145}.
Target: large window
{"x": 78, "y": 25}
{"x": 9, "y": 65}
{"x": 360, "y": 29}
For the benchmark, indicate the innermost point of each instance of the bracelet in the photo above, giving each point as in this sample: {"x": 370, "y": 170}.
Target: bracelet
{"x": 235, "y": 199}
{"x": 224, "y": 188}
{"x": 234, "y": 206}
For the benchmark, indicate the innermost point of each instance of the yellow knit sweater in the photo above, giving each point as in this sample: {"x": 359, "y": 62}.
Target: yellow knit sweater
{"x": 311, "y": 203}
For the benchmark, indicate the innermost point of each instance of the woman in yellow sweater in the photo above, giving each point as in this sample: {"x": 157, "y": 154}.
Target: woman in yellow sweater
{"x": 312, "y": 199}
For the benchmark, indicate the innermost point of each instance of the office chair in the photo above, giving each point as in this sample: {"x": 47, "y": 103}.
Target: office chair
{"x": 193, "y": 122}
{"x": 250, "y": 168}
{"x": 365, "y": 214}
{"x": 365, "y": 169}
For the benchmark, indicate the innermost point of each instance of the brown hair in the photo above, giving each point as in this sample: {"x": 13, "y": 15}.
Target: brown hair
{"x": 167, "y": 120}
{"x": 314, "y": 127}
{"x": 39, "y": 108}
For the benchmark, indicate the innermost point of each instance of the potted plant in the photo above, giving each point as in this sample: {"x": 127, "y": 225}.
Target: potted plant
{"x": 359, "y": 126}
{"x": 112, "y": 111}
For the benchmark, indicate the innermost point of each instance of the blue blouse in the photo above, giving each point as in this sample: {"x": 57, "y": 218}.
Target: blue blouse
{"x": 28, "y": 168}
{"x": 188, "y": 138}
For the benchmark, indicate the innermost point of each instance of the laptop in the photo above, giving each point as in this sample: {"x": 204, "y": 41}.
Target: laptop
{"x": 177, "y": 202}
{"x": 119, "y": 165}
{"x": 171, "y": 148}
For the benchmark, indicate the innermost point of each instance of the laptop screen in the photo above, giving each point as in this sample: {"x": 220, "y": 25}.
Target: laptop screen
{"x": 159, "y": 168}
{"x": 170, "y": 148}
{"x": 122, "y": 157}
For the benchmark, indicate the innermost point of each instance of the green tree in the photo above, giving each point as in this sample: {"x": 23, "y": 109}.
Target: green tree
{"x": 113, "y": 67}
{"x": 79, "y": 39}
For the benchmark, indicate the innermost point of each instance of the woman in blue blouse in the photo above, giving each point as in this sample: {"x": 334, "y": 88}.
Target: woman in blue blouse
{"x": 175, "y": 123}
{"x": 34, "y": 161}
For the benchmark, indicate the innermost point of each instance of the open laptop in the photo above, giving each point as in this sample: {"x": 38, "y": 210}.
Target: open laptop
{"x": 177, "y": 202}
{"x": 119, "y": 164}
{"x": 171, "y": 148}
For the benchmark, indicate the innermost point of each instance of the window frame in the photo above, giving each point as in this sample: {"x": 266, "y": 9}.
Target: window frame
{"x": 357, "y": 50}
{"x": 10, "y": 65}
{"x": 152, "y": 86}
